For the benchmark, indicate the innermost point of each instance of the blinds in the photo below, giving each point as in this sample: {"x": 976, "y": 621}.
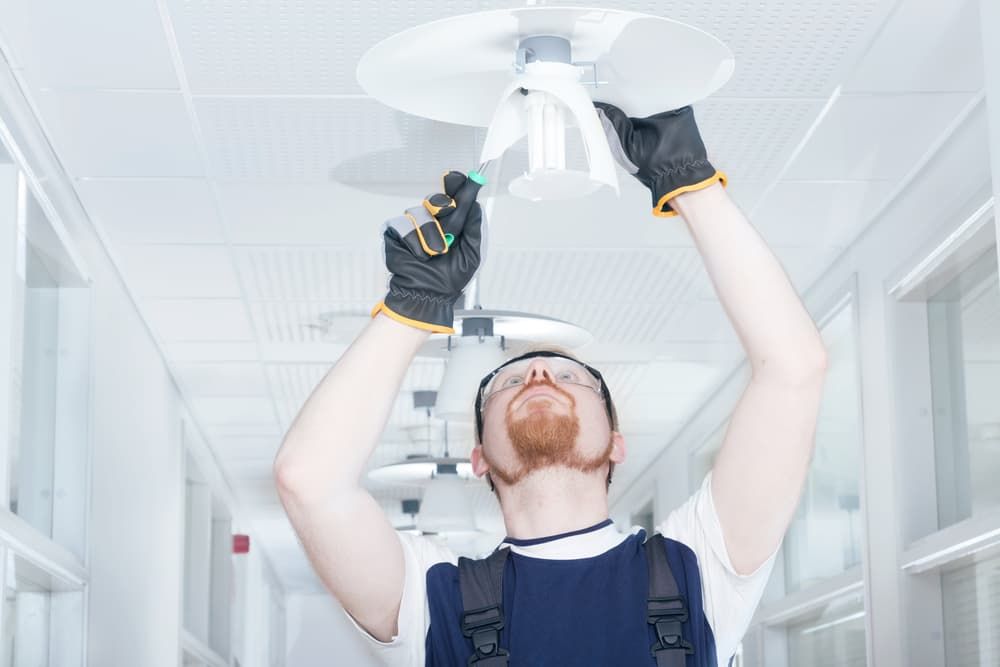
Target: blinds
{"x": 971, "y": 598}
{"x": 834, "y": 639}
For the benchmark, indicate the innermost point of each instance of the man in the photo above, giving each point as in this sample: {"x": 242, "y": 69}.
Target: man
{"x": 574, "y": 587}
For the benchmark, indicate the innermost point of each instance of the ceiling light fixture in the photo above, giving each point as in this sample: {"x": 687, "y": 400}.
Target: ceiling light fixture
{"x": 535, "y": 70}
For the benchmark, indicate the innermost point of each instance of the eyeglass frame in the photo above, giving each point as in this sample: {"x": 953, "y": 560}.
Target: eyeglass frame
{"x": 605, "y": 394}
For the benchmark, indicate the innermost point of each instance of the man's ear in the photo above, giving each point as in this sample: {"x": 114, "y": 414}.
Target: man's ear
{"x": 479, "y": 465}
{"x": 617, "y": 447}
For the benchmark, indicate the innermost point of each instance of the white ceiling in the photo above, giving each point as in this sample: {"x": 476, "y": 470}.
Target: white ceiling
{"x": 241, "y": 175}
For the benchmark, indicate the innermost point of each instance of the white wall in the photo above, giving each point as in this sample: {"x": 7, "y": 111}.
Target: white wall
{"x": 320, "y": 635}
{"x": 136, "y": 500}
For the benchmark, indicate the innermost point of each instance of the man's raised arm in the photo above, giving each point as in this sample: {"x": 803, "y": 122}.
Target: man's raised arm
{"x": 759, "y": 472}
{"x": 318, "y": 469}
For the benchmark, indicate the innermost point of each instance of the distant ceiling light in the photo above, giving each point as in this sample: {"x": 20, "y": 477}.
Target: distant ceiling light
{"x": 471, "y": 358}
{"x": 485, "y": 334}
{"x": 420, "y": 470}
{"x": 446, "y": 506}
{"x": 535, "y": 70}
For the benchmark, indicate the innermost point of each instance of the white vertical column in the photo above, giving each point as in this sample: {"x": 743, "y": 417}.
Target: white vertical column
{"x": 71, "y": 445}
{"x": 989, "y": 21}
{"x": 221, "y": 579}
{"x": 885, "y": 631}
{"x": 8, "y": 281}
{"x": 197, "y": 557}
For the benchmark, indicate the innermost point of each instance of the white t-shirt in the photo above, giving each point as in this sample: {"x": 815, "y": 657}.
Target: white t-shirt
{"x": 728, "y": 599}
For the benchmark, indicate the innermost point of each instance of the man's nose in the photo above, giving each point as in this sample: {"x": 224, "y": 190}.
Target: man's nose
{"x": 538, "y": 371}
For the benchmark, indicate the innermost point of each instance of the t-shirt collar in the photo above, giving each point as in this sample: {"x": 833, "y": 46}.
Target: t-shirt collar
{"x": 582, "y": 543}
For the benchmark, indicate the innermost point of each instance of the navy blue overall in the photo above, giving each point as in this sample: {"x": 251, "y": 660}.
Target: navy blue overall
{"x": 592, "y": 611}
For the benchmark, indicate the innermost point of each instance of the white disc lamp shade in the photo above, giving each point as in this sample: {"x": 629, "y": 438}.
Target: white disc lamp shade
{"x": 446, "y": 506}
{"x": 534, "y": 71}
{"x": 421, "y": 470}
{"x": 470, "y": 360}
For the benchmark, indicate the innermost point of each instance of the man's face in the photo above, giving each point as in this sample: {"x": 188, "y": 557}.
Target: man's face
{"x": 544, "y": 412}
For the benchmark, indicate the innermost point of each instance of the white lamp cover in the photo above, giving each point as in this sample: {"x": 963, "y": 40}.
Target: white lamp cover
{"x": 418, "y": 472}
{"x": 555, "y": 96}
{"x": 468, "y": 362}
{"x": 445, "y": 506}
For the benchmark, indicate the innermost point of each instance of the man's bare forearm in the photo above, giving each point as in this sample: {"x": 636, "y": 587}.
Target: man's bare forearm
{"x": 335, "y": 432}
{"x": 773, "y": 325}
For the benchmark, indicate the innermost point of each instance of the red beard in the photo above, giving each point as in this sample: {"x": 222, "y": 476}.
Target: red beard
{"x": 545, "y": 438}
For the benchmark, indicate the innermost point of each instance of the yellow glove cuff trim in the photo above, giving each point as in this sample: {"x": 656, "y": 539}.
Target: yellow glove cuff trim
{"x": 380, "y": 307}
{"x": 658, "y": 209}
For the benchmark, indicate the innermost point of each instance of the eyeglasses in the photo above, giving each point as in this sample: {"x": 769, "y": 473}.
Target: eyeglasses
{"x": 564, "y": 370}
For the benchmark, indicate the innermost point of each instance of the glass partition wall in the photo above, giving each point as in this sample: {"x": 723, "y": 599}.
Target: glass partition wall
{"x": 947, "y": 327}
{"x": 45, "y": 352}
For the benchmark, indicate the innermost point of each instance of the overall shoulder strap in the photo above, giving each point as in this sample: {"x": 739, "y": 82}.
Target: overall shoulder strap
{"x": 666, "y": 608}
{"x": 481, "y": 582}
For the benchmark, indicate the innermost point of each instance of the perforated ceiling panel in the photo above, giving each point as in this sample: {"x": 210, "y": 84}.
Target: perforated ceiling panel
{"x": 314, "y": 274}
{"x": 320, "y": 139}
{"x": 606, "y": 276}
{"x": 292, "y": 384}
{"x": 290, "y": 46}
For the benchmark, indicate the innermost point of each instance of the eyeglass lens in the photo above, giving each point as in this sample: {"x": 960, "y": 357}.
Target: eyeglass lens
{"x": 563, "y": 371}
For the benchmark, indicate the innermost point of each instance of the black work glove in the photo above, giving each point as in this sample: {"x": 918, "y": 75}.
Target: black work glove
{"x": 664, "y": 152}
{"x": 432, "y": 251}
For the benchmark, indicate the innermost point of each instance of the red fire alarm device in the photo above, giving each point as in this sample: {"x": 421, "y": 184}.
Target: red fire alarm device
{"x": 241, "y": 544}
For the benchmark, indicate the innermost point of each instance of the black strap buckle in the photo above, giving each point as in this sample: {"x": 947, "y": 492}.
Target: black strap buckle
{"x": 483, "y": 627}
{"x": 666, "y": 614}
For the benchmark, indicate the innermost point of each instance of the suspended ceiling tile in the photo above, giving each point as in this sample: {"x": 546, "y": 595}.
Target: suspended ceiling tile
{"x": 752, "y": 139}
{"x": 746, "y": 194}
{"x": 152, "y": 211}
{"x": 254, "y": 469}
{"x": 121, "y": 133}
{"x": 201, "y": 320}
{"x": 789, "y": 49}
{"x": 699, "y": 321}
{"x": 211, "y": 351}
{"x": 601, "y": 220}
{"x": 803, "y": 264}
{"x": 664, "y": 377}
{"x": 871, "y": 137}
{"x": 221, "y": 379}
{"x": 322, "y": 140}
{"x": 259, "y": 429}
{"x": 629, "y": 323}
{"x": 610, "y": 276}
{"x": 240, "y": 447}
{"x": 290, "y": 46}
{"x": 309, "y": 213}
{"x": 300, "y": 322}
{"x": 345, "y": 274}
{"x": 100, "y": 44}
{"x": 294, "y": 382}
{"x": 660, "y": 407}
{"x": 803, "y": 213}
{"x": 242, "y": 410}
{"x": 622, "y": 380}
{"x": 179, "y": 271}
{"x": 924, "y": 47}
